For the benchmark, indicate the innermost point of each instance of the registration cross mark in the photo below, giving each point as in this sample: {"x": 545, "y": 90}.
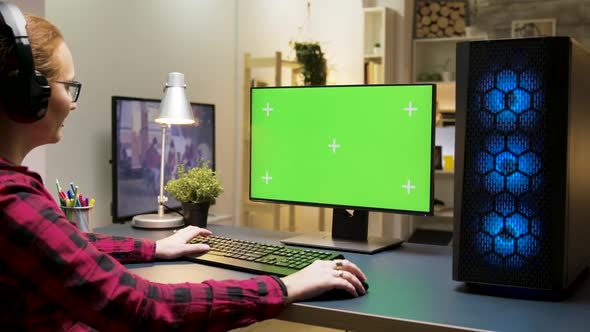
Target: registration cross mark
{"x": 266, "y": 177}
{"x": 409, "y": 186}
{"x": 410, "y": 109}
{"x": 334, "y": 146}
{"x": 267, "y": 109}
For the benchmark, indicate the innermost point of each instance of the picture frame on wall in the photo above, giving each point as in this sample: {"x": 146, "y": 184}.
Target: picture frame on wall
{"x": 534, "y": 28}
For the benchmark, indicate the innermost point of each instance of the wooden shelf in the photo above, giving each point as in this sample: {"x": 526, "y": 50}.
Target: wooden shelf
{"x": 373, "y": 57}
{"x": 249, "y": 208}
{"x": 446, "y": 212}
{"x": 446, "y": 39}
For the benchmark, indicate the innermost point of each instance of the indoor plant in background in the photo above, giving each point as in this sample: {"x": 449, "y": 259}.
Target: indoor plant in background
{"x": 195, "y": 188}
{"x": 310, "y": 55}
{"x": 377, "y": 49}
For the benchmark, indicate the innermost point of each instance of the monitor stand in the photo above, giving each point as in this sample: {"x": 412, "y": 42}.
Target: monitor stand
{"x": 349, "y": 233}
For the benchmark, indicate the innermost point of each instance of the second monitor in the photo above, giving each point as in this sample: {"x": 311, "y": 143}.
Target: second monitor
{"x": 361, "y": 148}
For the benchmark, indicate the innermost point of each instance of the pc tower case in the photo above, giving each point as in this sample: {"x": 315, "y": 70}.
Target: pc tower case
{"x": 522, "y": 180}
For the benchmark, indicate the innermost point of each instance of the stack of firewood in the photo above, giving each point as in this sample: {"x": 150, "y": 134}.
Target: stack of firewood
{"x": 440, "y": 18}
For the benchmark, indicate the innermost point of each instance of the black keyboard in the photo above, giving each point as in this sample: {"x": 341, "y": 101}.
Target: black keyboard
{"x": 257, "y": 257}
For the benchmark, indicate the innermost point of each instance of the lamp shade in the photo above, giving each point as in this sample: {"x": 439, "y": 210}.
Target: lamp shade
{"x": 175, "y": 108}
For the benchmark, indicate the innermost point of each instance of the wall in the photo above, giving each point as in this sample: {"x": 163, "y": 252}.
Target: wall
{"x": 127, "y": 48}
{"x": 573, "y": 16}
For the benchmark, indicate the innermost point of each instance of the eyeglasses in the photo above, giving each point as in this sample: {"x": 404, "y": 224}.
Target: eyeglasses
{"x": 73, "y": 88}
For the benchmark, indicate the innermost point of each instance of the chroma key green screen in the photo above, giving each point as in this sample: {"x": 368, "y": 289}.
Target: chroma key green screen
{"x": 365, "y": 146}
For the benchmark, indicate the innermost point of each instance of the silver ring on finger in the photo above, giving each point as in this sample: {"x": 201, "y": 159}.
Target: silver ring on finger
{"x": 340, "y": 273}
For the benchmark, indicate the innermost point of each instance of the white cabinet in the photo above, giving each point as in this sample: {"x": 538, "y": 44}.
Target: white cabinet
{"x": 379, "y": 48}
{"x": 434, "y": 58}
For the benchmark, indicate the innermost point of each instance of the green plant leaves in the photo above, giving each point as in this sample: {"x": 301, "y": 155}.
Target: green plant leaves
{"x": 196, "y": 185}
{"x": 310, "y": 55}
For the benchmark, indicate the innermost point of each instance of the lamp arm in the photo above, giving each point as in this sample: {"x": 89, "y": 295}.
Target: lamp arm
{"x": 162, "y": 199}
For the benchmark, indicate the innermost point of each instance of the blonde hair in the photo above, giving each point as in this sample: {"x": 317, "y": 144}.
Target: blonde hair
{"x": 44, "y": 38}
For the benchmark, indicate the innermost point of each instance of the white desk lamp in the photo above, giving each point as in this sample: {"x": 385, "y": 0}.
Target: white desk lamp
{"x": 174, "y": 109}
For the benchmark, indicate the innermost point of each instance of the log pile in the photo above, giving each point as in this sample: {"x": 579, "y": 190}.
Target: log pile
{"x": 435, "y": 19}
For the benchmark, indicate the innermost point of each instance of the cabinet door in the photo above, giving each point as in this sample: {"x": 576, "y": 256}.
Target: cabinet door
{"x": 379, "y": 51}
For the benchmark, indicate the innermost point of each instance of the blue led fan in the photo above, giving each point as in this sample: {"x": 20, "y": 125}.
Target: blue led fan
{"x": 508, "y": 164}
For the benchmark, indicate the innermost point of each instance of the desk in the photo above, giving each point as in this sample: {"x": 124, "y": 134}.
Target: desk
{"x": 410, "y": 289}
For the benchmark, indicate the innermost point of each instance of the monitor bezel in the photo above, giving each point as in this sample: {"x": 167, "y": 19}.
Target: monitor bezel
{"x": 430, "y": 212}
{"x": 115, "y": 157}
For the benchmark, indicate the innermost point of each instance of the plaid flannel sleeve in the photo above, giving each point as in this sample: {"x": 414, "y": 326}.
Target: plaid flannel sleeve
{"x": 124, "y": 249}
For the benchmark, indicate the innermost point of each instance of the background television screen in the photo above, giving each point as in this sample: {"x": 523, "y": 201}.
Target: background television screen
{"x": 367, "y": 147}
{"x": 136, "y": 148}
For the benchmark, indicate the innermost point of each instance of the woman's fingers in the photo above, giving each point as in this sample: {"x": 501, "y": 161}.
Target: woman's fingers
{"x": 347, "y": 265}
{"x": 189, "y": 232}
{"x": 352, "y": 276}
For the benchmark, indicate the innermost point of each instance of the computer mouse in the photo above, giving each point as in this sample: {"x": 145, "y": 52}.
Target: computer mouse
{"x": 338, "y": 294}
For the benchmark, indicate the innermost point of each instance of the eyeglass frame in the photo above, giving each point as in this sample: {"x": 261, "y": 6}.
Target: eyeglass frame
{"x": 76, "y": 84}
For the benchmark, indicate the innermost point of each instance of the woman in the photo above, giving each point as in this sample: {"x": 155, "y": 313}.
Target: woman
{"x": 54, "y": 277}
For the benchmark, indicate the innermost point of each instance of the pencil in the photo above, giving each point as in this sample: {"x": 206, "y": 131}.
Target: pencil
{"x": 76, "y": 201}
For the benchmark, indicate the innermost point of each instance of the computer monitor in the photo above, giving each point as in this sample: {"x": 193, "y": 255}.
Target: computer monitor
{"x": 354, "y": 148}
{"x": 136, "y": 152}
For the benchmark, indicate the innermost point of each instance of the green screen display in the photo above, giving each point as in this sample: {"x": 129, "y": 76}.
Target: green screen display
{"x": 367, "y": 147}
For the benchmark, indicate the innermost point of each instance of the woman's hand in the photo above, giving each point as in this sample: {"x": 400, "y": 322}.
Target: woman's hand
{"x": 176, "y": 245}
{"x": 322, "y": 276}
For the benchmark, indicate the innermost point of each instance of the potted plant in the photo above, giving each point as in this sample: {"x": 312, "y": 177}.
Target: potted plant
{"x": 310, "y": 55}
{"x": 195, "y": 189}
{"x": 377, "y": 48}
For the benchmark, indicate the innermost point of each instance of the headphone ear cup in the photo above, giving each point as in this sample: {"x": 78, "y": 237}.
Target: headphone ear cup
{"x": 26, "y": 104}
{"x": 40, "y": 93}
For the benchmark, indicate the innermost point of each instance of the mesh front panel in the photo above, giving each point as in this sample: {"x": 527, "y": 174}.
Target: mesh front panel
{"x": 506, "y": 217}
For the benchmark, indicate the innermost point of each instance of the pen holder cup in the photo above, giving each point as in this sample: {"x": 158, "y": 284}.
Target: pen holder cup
{"x": 79, "y": 216}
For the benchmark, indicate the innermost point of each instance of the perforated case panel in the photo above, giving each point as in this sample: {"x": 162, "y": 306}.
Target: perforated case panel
{"x": 512, "y": 137}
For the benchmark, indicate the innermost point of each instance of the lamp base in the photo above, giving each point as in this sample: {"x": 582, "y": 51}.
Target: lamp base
{"x": 157, "y": 221}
